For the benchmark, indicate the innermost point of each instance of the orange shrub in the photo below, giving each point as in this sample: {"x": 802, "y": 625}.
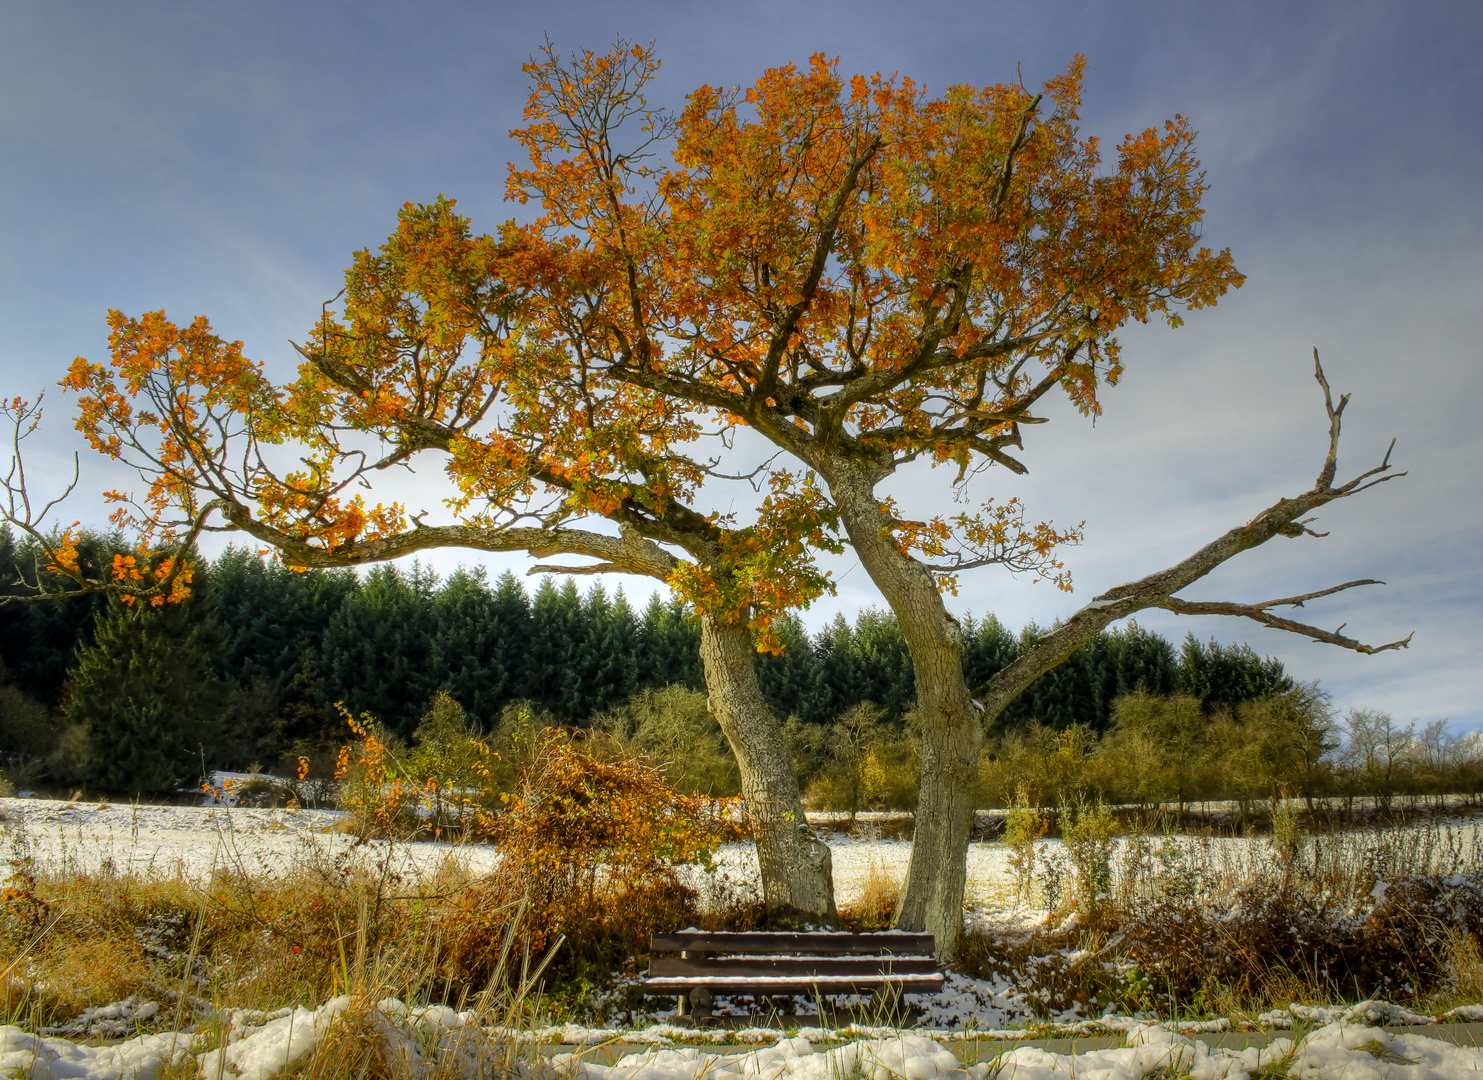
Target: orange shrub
{"x": 591, "y": 845}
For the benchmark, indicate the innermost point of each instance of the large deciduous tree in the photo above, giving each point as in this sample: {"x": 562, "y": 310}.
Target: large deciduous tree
{"x": 870, "y": 276}
{"x": 430, "y": 354}
{"x": 865, "y": 275}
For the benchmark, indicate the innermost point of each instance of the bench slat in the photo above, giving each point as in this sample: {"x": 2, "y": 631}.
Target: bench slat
{"x": 787, "y": 967}
{"x": 884, "y": 943}
{"x": 827, "y": 984}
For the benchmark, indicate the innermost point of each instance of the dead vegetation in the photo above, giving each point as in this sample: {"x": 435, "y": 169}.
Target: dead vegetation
{"x": 1174, "y": 925}
{"x": 589, "y": 850}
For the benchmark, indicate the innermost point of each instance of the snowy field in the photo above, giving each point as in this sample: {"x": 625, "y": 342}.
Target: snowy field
{"x": 191, "y": 841}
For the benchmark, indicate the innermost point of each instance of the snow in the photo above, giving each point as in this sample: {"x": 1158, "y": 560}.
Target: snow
{"x": 675, "y": 981}
{"x": 194, "y": 840}
{"x": 191, "y": 841}
{"x": 1353, "y": 1052}
{"x": 260, "y": 1046}
{"x": 37, "y": 1058}
{"x": 1373, "y": 1012}
{"x": 111, "y": 1021}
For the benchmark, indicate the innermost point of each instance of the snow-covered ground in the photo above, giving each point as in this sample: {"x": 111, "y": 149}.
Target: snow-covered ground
{"x": 259, "y": 1047}
{"x": 192, "y": 840}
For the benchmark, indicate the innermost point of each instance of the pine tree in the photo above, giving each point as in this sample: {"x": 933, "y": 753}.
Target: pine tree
{"x": 557, "y": 648}
{"x": 1229, "y": 674}
{"x": 987, "y": 648}
{"x": 39, "y": 642}
{"x": 793, "y": 682}
{"x": 476, "y": 637}
{"x": 609, "y": 671}
{"x": 306, "y": 722}
{"x": 843, "y": 681}
{"x": 377, "y": 650}
{"x": 270, "y": 615}
{"x": 668, "y": 646}
{"x": 147, "y": 693}
{"x": 885, "y": 664}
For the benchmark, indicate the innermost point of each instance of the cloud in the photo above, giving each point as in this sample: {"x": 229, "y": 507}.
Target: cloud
{"x": 227, "y": 161}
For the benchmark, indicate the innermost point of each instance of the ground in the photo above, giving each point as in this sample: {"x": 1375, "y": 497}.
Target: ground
{"x": 190, "y": 842}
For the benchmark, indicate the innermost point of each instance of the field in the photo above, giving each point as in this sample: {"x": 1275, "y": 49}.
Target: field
{"x": 129, "y": 922}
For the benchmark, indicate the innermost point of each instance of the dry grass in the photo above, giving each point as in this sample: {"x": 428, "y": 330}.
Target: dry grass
{"x": 877, "y": 903}
{"x": 585, "y": 876}
{"x": 1194, "y": 924}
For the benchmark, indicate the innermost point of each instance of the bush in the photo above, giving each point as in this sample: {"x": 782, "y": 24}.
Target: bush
{"x": 1024, "y": 825}
{"x": 866, "y": 765}
{"x": 591, "y": 849}
{"x": 675, "y": 729}
{"x": 454, "y": 768}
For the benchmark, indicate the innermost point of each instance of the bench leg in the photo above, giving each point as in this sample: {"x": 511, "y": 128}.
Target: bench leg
{"x": 700, "y": 1005}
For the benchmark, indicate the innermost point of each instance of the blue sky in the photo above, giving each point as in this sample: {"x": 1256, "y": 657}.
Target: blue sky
{"x": 226, "y": 160}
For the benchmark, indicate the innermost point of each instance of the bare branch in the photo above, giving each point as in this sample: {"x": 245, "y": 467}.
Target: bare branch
{"x": 595, "y": 568}
{"x": 1260, "y": 613}
{"x": 1285, "y": 517}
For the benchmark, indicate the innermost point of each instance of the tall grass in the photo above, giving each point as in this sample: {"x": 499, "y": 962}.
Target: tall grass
{"x": 1174, "y": 922}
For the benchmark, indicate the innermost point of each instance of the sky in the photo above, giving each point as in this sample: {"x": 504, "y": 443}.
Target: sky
{"x": 226, "y": 160}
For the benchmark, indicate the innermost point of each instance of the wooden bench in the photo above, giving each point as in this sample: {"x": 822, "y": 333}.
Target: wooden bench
{"x": 763, "y": 963}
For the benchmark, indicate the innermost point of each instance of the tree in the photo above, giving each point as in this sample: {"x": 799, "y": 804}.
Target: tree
{"x": 479, "y": 642}
{"x": 428, "y": 356}
{"x": 668, "y": 646}
{"x": 864, "y": 275}
{"x": 867, "y": 277}
{"x": 378, "y": 649}
{"x": 1171, "y": 740}
{"x": 1229, "y": 674}
{"x": 552, "y": 665}
{"x": 146, "y": 693}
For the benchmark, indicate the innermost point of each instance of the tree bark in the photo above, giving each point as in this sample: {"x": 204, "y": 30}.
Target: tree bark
{"x": 952, "y": 732}
{"x": 797, "y": 870}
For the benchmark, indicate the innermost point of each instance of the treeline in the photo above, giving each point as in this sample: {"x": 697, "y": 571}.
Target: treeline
{"x": 251, "y": 669}
{"x": 1175, "y": 750}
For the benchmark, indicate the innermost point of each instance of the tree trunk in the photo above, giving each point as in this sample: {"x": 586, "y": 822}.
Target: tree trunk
{"x": 797, "y": 871}
{"x": 952, "y": 732}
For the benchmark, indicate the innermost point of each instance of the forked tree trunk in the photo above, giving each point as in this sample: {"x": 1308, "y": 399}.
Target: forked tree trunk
{"x": 797, "y": 871}
{"x": 952, "y": 731}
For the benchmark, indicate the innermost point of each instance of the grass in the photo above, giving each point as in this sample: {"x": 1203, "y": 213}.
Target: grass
{"x": 1187, "y": 928}
{"x": 1215, "y": 928}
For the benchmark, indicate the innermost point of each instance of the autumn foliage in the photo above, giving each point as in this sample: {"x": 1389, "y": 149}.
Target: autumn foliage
{"x": 591, "y": 847}
{"x": 841, "y": 262}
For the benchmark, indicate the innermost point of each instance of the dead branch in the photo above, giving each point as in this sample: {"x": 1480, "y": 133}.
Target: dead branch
{"x": 1286, "y": 517}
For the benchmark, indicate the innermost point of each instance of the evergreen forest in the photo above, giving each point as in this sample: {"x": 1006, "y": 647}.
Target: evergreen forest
{"x": 249, "y": 671}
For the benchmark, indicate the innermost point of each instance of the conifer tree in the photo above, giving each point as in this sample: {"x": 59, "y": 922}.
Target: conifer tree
{"x": 377, "y": 650}
{"x": 668, "y": 646}
{"x": 793, "y": 681}
{"x": 557, "y": 645}
{"x": 609, "y": 668}
{"x": 476, "y": 637}
{"x": 885, "y": 663}
{"x": 39, "y": 642}
{"x": 1229, "y": 674}
{"x": 987, "y": 648}
{"x": 147, "y": 693}
{"x": 843, "y": 681}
